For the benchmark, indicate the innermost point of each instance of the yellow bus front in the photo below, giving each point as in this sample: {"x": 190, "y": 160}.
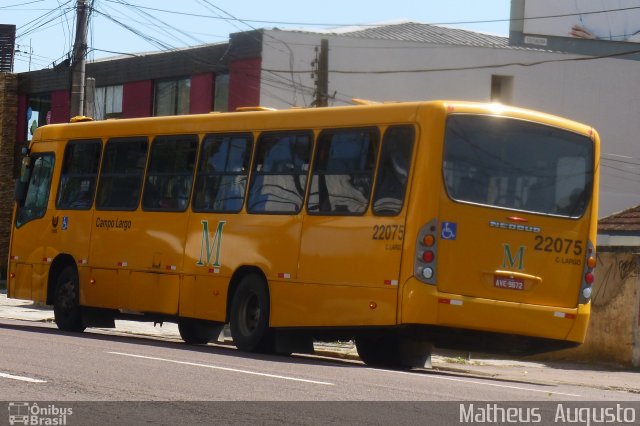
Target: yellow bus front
{"x": 505, "y": 229}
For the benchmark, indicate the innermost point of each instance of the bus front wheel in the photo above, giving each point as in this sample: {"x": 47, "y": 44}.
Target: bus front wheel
{"x": 66, "y": 305}
{"x": 249, "y": 316}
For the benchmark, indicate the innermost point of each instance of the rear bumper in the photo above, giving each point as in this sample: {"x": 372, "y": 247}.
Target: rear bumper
{"x": 423, "y": 304}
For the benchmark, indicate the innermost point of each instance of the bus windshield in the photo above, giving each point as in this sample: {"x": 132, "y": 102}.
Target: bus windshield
{"x": 519, "y": 165}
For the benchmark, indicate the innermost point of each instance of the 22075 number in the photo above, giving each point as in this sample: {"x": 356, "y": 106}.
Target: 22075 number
{"x": 388, "y": 232}
{"x": 558, "y": 245}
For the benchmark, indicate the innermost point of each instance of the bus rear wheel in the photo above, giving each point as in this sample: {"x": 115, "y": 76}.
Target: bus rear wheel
{"x": 195, "y": 332}
{"x": 249, "y": 316}
{"x": 391, "y": 350}
{"x": 379, "y": 351}
{"x": 66, "y": 305}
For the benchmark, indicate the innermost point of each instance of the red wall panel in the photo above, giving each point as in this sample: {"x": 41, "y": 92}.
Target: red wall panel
{"x": 60, "y": 106}
{"x": 201, "y": 93}
{"x": 21, "y": 122}
{"x": 244, "y": 83}
{"x": 137, "y": 99}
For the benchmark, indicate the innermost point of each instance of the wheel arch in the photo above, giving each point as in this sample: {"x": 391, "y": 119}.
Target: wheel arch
{"x": 57, "y": 266}
{"x": 237, "y": 276}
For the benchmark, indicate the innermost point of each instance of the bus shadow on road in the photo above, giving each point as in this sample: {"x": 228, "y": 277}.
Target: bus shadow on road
{"x": 221, "y": 349}
{"x": 228, "y": 350}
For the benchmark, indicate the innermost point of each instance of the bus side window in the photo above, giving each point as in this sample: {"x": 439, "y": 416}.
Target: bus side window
{"x": 343, "y": 171}
{"x": 35, "y": 204}
{"x": 280, "y": 173}
{"x": 223, "y": 167}
{"x": 79, "y": 174}
{"x": 122, "y": 171}
{"x": 393, "y": 170}
{"x": 170, "y": 173}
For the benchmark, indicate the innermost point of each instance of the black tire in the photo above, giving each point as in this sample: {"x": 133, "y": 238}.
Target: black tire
{"x": 379, "y": 351}
{"x": 249, "y": 316}
{"x": 195, "y": 332}
{"x": 66, "y": 304}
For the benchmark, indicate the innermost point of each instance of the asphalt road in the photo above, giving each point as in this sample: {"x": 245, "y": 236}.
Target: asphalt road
{"x": 40, "y": 363}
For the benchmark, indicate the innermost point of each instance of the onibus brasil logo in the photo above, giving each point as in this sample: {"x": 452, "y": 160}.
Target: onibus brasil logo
{"x": 26, "y": 413}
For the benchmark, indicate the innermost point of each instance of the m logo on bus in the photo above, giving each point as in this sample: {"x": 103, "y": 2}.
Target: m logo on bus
{"x": 210, "y": 244}
{"x": 511, "y": 261}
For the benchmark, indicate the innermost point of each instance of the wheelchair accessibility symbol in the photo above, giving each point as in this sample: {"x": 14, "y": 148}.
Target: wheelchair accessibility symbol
{"x": 449, "y": 230}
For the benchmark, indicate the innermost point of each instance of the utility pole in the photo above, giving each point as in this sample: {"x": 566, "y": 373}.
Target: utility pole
{"x": 322, "y": 75}
{"x": 78, "y": 59}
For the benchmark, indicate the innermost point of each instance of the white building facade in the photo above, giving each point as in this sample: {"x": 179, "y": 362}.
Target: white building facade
{"x": 408, "y": 61}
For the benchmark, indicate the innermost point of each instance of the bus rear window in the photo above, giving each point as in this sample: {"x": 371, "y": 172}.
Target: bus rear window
{"x": 519, "y": 165}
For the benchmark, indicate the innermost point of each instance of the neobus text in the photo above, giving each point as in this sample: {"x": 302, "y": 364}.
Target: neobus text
{"x": 514, "y": 227}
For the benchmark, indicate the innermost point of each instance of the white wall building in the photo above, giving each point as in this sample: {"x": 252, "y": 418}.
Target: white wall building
{"x": 409, "y": 61}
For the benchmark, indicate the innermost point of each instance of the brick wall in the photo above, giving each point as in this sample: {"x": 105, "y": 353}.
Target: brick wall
{"x": 8, "y": 117}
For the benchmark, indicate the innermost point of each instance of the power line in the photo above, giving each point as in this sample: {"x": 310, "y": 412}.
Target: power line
{"x": 39, "y": 22}
{"x": 133, "y": 55}
{"x": 627, "y": 175}
{"x": 244, "y": 21}
{"x": 474, "y": 67}
{"x": 158, "y": 43}
{"x": 67, "y": 46}
{"x": 159, "y": 25}
{"x": 628, "y": 163}
{"x": 628, "y": 157}
{"x": 21, "y": 4}
{"x": 153, "y": 41}
{"x": 327, "y": 24}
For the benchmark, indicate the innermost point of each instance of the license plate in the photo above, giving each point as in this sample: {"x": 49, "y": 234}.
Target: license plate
{"x": 508, "y": 283}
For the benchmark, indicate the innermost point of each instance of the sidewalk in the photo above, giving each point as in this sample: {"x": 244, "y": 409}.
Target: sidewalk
{"x": 593, "y": 376}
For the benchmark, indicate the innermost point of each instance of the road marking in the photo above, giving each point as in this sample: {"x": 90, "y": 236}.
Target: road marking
{"x": 214, "y": 367}
{"x": 452, "y": 379}
{"x": 21, "y": 378}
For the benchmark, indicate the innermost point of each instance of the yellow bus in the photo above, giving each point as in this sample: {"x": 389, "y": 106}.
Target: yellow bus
{"x": 402, "y": 226}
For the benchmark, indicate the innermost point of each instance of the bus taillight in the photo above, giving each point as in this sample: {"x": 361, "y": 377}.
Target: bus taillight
{"x": 428, "y": 256}
{"x": 588, "y": 277}
{"x": 426, "y": 253}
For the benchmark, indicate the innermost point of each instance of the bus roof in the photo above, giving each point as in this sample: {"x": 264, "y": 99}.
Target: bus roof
{"x": 261, "y": 119}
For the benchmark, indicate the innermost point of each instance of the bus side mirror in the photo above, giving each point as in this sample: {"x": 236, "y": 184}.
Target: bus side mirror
{"x": 22, "y": 184}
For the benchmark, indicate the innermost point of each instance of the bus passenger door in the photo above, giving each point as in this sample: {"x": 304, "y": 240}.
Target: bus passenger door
{"x": 348, "y": 272}
{"x": 34, "y": 224}
{"x": 226, "y": 232}
{"x": 351, "y": 244}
